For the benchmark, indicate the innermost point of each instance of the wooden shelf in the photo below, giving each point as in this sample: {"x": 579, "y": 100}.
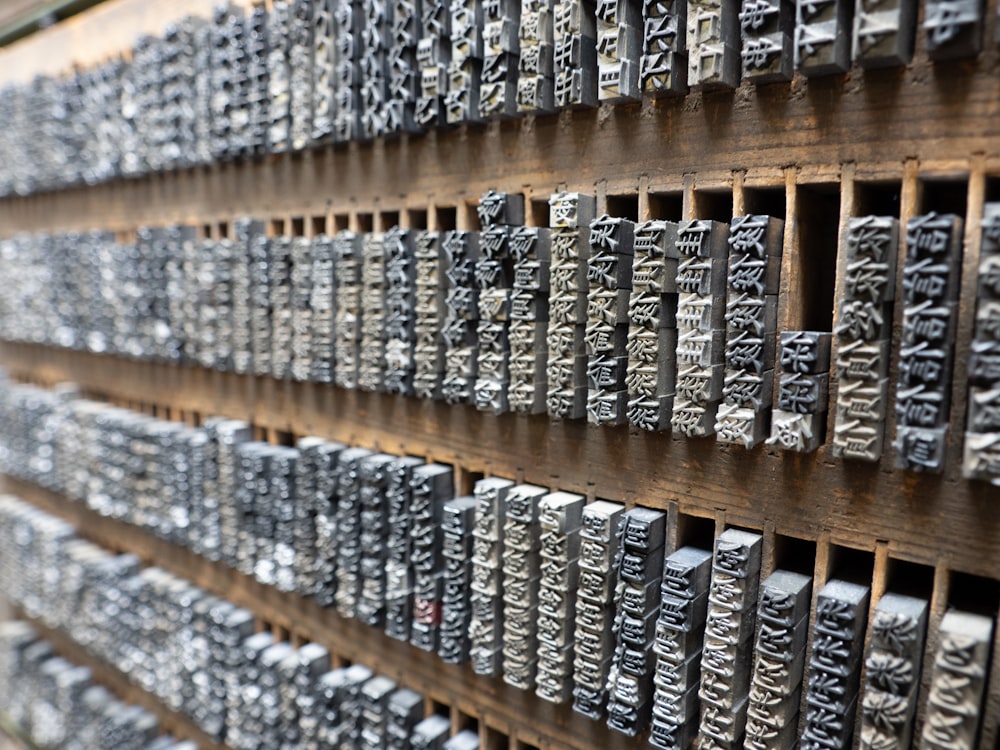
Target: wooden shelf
{"x": 934, "y": 521}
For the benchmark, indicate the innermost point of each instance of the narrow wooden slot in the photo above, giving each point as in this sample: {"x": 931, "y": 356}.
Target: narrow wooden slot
{"x": 318, "y": 225}
{"x": 852, "y": 565}
{"x": 815, "y": 257}
{"x": 536, "y": 212}
{"x": 298, "y": 226}
{"x": 365, "y": 221}
{"x": 794, "y": 554}
{"x": 769, "y": 201}
{"x": 389, "y": 219}
{"x": 878, "y": 198}
{"x": 713, "y": 204}
{"x": 623, "y": 206}
{"x": 283, "y": 437}
{"x": 447, "y": 218}
{"x": 666, "y": 206}
{"x": 461, "y": 720}
{"x": 992, "y": 188}
{"x": 944, "y": 196}
{"x": 492, "y": 739}
{"x": 341, "y": 222}
{"x": 276, "y": 228}
{"x": 909, "y": 578}
{"x": 417, "y": 218}
{"x": 695, "y": 531}
{"x": 223, "y": 230}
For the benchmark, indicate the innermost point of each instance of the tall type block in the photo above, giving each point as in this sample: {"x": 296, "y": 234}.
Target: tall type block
{"x": 574, "y": 34}
{"x": 954, "y": 28}
{"x": 495, "y": 277}
{"x": 347, "y": 18}
{"x": 835, "y": 665}
{"x": 619, "y": 45}
{"x": 373, "y": 68}
{"x": 431, "y": 487}
{"x": 982, "y": 431}
{"x": 751, "y": 319}
{"x": 399, "y": 314}
{"x": 501, "y": 53}
{"x": 957, "y": 682}
{"x": 456, "y": 548}
{"x": 594, "y": 642}
{"x": 729, "y": 628}
{"x": 823, "y": 36}
{"x": 560, "y": 519}
{"x": 570, "y": 216}
{"x": 701, "y": 284}
{"x": 349, "y": 545}
{"x": 322, "y": 306}
{"x": 465, "y": 65}
{"x": 279, "y": 73}
{"x": 404, "y": 72}
{"x": 530, "y": 249}
{"x": 663, "y": 65}
{"x": 930, "y": 297}
{"x": 521, "y": 573}
{"x": 862, "y": 332}
{"x": 300, "y": 82}
{"x": 768, "y": 33}
{"x": 713, "y": 44}
{"x": 460, "y": 326}
{"x": 779, "y": 654}
{"x": 429, "y": 314}
{"x": 301, "y": 297}
{"x": 486, "y": 623}
{"x": 640, "y": 569}
{"x": 679, "y": 626}
{"x": 609, "y": 275}
{"x": 895, "y": 656}
{"x": 799, "y": 422}
{"x": 373, "y": 536}
{"x": 884, "y": 31}
{"x": 398, "y": 544}
{"x": 433, "y": 55}
{"x": 348, "y": 316}
{"x": 323, "y": 105}
{"x": 535, "y": 82}
{"x": 371, "y": 358}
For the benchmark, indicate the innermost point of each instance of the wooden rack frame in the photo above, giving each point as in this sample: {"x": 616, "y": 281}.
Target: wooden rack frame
{"x": 817, "y": 151}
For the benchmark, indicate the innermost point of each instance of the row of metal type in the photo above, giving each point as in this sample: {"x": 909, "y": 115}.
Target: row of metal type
{"x": 656, "y": 324}
{"x": 580, "y": 602}
{"x": 294, "y": 74}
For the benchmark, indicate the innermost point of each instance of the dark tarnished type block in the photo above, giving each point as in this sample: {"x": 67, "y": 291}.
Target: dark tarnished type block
{"x": 713, "y": 44}
{"x": 835, "y": 664}
{"x": 957, "y": 682}
{"x": 776, "y": 676}
{"x": 725, "y": 658}
{"x": 884, "y": 32}
{"x": 768, "y": 32}
{"x": 923, "y": 390}
{"x": 823, "y": 36}
{"x": 954, "y": 28}
{"x": 983, "y": 424}
{"x": 755, "y": 246}
{"x": 862, "y": 333}
{"x": 895, "y": 655}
